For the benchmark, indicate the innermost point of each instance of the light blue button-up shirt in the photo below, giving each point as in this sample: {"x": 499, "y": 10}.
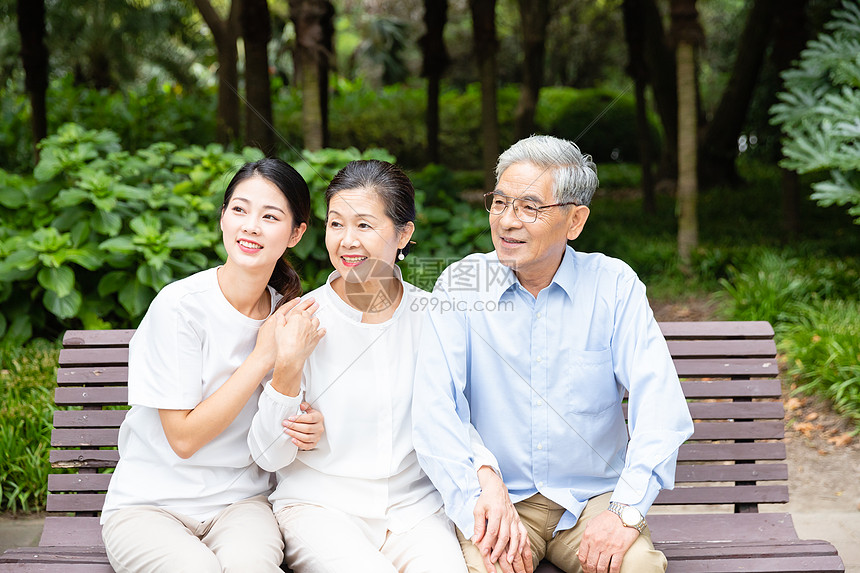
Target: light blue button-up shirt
{"x": 542, "y": 380}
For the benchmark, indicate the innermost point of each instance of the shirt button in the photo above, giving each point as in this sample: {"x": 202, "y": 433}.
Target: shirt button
{"x": 540, "y": 484}
{"x": 540, "y": 446}
{"x": 540, "y": 402}
{"x": 538, "y": 315}
{"x": 538, "y": 358}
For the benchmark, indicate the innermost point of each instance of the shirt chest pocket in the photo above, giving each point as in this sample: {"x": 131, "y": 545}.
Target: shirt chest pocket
{"x": 591, "y": 386}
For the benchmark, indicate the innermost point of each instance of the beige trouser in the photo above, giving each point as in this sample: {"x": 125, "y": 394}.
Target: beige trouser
{"x": 243, "y": 537}
{"x": 321, "y": 540}
{"x": 541, "y": 515}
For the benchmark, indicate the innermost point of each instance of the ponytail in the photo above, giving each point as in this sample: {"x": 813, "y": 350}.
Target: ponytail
{"x": 286, "y": 281}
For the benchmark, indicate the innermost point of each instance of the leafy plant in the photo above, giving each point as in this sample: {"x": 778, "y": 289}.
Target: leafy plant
{"x": 819, "y": 111}
{"x": 27, "y": 378}
{"x": 823, "y": 352}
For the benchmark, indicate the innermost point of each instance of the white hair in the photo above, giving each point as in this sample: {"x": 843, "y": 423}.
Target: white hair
{"x": 574, "y": 174}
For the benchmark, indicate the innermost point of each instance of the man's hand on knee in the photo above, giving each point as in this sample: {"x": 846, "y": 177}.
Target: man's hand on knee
{"x": 604, "y": 543}
{"x": 499, "y": 534}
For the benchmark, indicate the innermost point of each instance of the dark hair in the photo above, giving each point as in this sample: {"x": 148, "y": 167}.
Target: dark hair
{"x": 391, "y": 184}
{"x": 284, "y": 277}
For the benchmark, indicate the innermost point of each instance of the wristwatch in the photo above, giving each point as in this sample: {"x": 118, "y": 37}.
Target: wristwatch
{"x": 630, "y": 516}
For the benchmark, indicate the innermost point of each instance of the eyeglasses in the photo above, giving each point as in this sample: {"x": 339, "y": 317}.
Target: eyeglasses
{"x": 524, "y": 210}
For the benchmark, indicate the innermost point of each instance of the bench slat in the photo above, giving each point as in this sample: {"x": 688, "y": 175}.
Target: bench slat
{"x": 724, "y": 494}
{"x": 717, "y": 329}
{"x": 84, "y": 437}
{"x": 721, "y": 527}
{"x": 757, "y": 388}
{"x": 773, "y": 430}
{"x": 93, "y": 356}
{"x": 62, "y": 502}
{"x": 737, "y": 410}
{"x": 96, "y": 375}
{"x": 64, "y": 531}
{"x": 727, "y": 452}
{"x": 692, "y": 473}
{"x": 84, "y": 458}
{"x": 722, "y": 348}
{"x": 83, "y": 396}
{"x": 792, "y": 564}
{"x": 78, "y": 482}
{"x": 97, "y": 337}
{"x": 718, "y": 367}
{"x": 89, "y": 418}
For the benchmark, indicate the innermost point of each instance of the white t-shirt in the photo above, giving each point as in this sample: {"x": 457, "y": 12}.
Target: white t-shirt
{"x": 360, "y": 377}
{"x": 188, "y": 344}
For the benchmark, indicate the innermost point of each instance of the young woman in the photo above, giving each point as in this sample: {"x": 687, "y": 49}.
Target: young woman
{"x": 186, "y": 494}
{"x": 359, "y": 501}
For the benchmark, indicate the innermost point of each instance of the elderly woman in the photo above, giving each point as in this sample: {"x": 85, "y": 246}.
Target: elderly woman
{"x": 359, "y": 501}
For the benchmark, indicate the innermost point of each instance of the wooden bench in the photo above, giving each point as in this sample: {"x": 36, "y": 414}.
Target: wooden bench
{"x": 734, "y": 461}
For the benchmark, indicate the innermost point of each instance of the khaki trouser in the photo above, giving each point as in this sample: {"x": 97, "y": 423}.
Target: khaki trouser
{"x": 540, "y": 516}
{"x": 243, "y": 537}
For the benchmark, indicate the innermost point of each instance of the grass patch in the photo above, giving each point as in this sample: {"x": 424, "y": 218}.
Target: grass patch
{"x": 28, "y": 377}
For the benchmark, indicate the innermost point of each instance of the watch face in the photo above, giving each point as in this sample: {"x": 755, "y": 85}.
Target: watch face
{"x": 630, "y": 516}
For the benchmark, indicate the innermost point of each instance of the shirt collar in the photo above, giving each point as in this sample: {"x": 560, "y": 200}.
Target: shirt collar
{"x": 505, "y": 278}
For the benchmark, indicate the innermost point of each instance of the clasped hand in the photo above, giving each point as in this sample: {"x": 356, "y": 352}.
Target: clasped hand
{"x": 499, "y": 534}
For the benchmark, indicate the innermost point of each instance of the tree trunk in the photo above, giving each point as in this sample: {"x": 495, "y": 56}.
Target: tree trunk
{"x": 34, "y": 58}
{"x": 435, "y": 61}
{"x": 686, "y": 32}
{"x": 257, "y": 32}
{"x": 311, "y": 18}
{"x": 719, "y": 147}
{"x": 534, "y": 15}
{"x": 789, "y": 38}
{"x": 225, "y": 33}
{"x": 660, "y": 59}
{"x": 484, "y": 29}
{"x": 634, "y": 33}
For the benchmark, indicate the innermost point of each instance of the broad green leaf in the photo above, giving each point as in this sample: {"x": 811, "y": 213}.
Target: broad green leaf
{"x": 155, "y": 278}
{"x": 135, "y": 297}
{"x": 122, "y": 244}
{"x": 106, "y": 223}
{"x": 22, "y": 260}
{"x": 80, "y": 232}
{"x": 60, "y": 280}
{"x": 65, "y": 306}
{"x": 12, "y": 198}
{"x": 87, "y": 256}
{"x": 112, "y": 282}
{"x": 70, "y": 198}
{"x": 20, "y": 330}
{"x": 2, "y": 325}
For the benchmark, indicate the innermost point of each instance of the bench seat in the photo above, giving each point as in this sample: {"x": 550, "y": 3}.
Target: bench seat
{"x": 735, "y": 460}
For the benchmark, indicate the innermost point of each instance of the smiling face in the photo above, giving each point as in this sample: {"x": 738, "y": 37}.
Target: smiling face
{"x": 257, "y": 225}
{"x": 359, "y": 233}
{"x": 534, "y": 250}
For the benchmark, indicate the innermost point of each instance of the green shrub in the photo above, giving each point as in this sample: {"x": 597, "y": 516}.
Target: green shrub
{"x": 819, "y": 111}
{"x": 27, "y": 378}
{"x": 155, "y": 112}
{"x": 823, "y": 350}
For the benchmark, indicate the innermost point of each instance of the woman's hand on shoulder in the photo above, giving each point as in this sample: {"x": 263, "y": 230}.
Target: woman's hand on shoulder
{"x": 306, "y": 429}
{"x": 299, "y": 333}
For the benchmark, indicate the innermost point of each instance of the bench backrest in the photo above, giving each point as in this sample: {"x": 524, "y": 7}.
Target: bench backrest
{"x": 728, "y": 370}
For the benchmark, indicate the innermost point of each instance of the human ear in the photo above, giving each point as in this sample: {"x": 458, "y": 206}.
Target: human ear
{"x": 297, "y": 235}
{"x": 405, "y": 235}
{"x": 576, "y": 221}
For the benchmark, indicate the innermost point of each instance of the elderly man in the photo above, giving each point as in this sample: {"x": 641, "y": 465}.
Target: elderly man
{"x": 533, "y": 347}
